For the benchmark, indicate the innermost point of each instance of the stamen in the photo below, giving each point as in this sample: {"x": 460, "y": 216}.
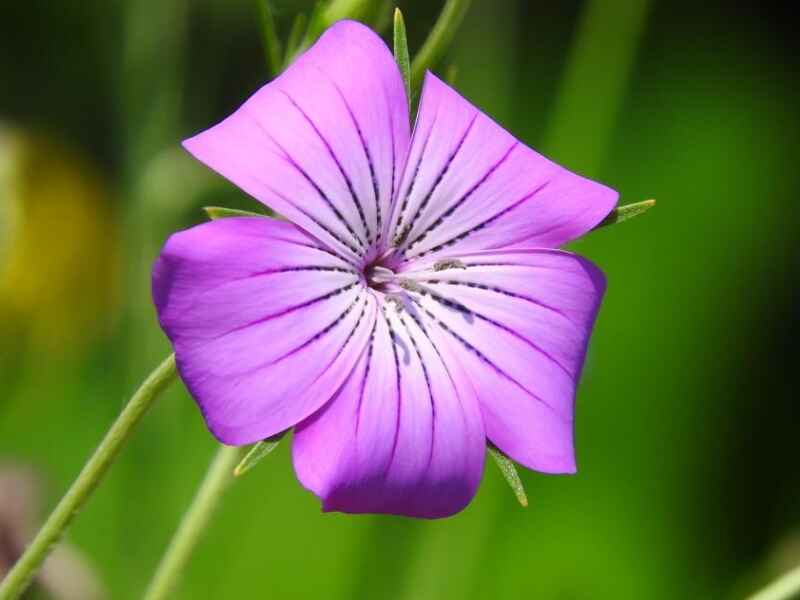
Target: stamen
{"x": 411, "y": 286}
{"x": 448, "y": 263}
{"x": 381, "y": 274}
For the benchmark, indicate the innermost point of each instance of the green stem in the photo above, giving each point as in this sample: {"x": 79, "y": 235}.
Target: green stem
{"x": 219, "y": 475}
{"x": 438, "y": 39}
{"x": 787, "y": 586}
{"x": 89, "y": 478}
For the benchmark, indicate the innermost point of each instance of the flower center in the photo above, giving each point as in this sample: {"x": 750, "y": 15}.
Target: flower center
{"x": 381, "y": 272}
{"x": 379, "y": 277}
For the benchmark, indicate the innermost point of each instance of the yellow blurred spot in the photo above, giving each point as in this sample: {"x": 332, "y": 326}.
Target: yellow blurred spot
{"x": 59, "y": 246}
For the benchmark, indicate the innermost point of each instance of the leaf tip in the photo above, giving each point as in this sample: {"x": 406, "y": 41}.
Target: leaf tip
{"x": 211, "y": 211}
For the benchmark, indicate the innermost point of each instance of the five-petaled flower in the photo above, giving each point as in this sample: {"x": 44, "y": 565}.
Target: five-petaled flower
{"x": 412, "y": 306}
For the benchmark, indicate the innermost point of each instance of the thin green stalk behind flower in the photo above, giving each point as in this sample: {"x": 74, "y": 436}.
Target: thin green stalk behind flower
{"x": 325, "y": 15}
{"x": 439, "y": 40}
{"x": 272, "y": 44}
{"x": 294, "y": 43}
{"x": 20, "y": 576}
{"x": 194, "y": 522}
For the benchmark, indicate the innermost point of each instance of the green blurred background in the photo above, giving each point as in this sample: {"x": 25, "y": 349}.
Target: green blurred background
{"x": 686, "y": 419}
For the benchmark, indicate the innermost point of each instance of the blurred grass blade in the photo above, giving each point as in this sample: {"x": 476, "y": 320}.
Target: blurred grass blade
{"x": 219, "y": 212}
{"x": 326, "y": 14}
{"x": 256, "y": 453}
{"x": 510, "y": 474}
{"x": 623, "y": 213}
{"x": 401, "y": 50}
{"x": 450, "y": 74}
{"x": 336, "y": 10}
{"x": 383, "y": 16}
{"x": 294, "y": 44}
{"x": 272, "y": 44}
{"x": 438, "y": 40}
{"x": 595, "y": 82}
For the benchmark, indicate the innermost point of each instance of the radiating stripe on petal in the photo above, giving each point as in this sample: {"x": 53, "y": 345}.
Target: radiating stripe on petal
{"x": 522, "y": 321}
{"x": 404, "y": 435}
{"x": 324, "y": 143}
{"x": 266, "y": 323}
{"x": 470, "y": 185}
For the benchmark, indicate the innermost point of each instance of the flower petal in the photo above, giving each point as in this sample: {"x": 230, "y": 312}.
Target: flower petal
{"x": 266, "y": 323}
{"x": 324, "y": 143}
{"x": 522, "y": 321}
{"x": 469, "y": 185}
{"x": 403, "y": 436}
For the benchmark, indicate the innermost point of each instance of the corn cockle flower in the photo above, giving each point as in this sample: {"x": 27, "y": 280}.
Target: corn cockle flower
{"x": 414, "y": 304}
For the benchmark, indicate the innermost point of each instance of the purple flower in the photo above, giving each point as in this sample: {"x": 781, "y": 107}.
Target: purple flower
{"x": 412, "y": 306}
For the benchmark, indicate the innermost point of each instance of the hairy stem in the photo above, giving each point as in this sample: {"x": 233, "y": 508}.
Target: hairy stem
{"x": 87, "y": 481}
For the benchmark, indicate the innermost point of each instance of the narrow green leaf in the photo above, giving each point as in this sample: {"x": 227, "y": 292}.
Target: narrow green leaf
{"x": 510, "y": 474}
{"x": 438, "y": 40}
{"x": 623, "y": 213}
{"x": 401, "y": 50}
{"x": 219, "y": 212}
{"x": 272, "y": 44}
{"x": 257, "y": 452}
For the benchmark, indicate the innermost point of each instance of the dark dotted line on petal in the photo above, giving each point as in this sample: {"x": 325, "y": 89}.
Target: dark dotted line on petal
{"x": 292, "y": 309}
{"x": 370, "y": 349}
{"x": 316, "y": 222}
{"x": 336, "y": 160}
{"x": 403, "y": 230}
{"x": 426, "y": 375}
{"x": 504, "y": 292}
{"x": 454, "y": 240}
{"x": 441, "y": 174}
{"x": 394, "y": 158}
{"x": 449, "y": 212}
{"x": 279, "y": 270}
{"x": 303, "y": 268}
{"x": 285, "y": 155}
{"x": 327, "y": 329}
{"x": 399, "y": 390}
{"x": 482, "y": 356}
{"x": 325, "y": 250}
{"x": 460, "y": 307}
{"x": 367, "y": 154}
{"x": 415, "y": 287}
{"x": 358, "y": 322}
{"x": 421, "y": 326}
